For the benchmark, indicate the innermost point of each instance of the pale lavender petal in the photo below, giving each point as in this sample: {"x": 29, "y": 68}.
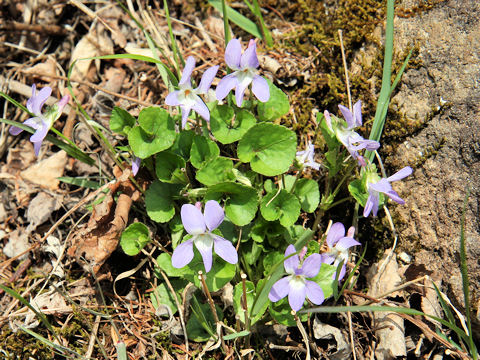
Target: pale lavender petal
{"x": 240, "y": 92}
{"x": 314, "y": 292}
{"x": 35, "y": 103}
{"x": 341, "y": 274}
{"x": 207, "y": 79}
{"x": 201, "y": 109}
{"x": 347, "y": 114}
{"x": 357, "y": 112}
{"x": 296, "y": 297}
{"x": 233, "y": 54}
{"x": 15, "y": 130}
{"x": 183, "y": 254}
{"x": 279, "y": 290}
{"x": 185, "y": 113}
{"x": 291, "y": 263}
{"x": 192, "y": 219}
{"x": 33, "y": 122}
{"x": 399, "y": 175}
{"x": 381, "y": 186}
{"x": 213, "y": 214}
{"x": 225, "y": 249}
{"x": 313, "y": 165}
{"x": 63, "y": 102}
{"x": 346, "y": 242}
{"x": 249, "y": 57}
{"x": 205, "y": 250}
{"x": 327, "y": 258}
{"x": 136, "y": 165}
{"x": 40, "y": 134}
{"x": 328, "y": 119}
{"x": 311, "y": 265}
{"x": 260, "y": 88}
{"x": 37, "y": 146}
{"x": 225, "y": 86}
{"x": 394, "y": 196}
{"x": 371, "y": 205}
{"x": 172, "y": 98}
{"x": 187, "y": 71}
{"x": 337, "y": 231}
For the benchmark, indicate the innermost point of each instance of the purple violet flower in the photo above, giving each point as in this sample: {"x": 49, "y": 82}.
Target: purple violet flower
{"x": 296, "y": 285}
{"x": 346, "y": 134}
{"x": 136, "y": 165}
{"x": 339, "y": 245}
{"x": 41, "y": 122}
{"x": 305, "y": 157}
{"x": 200, "y": 226}
{"x": 245, "y": 72}
{"x": 187, "y": 97}
{"x": 383, "y": 186}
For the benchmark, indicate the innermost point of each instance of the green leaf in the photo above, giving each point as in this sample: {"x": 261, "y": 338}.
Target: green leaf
{"x": 200, "y": 320}
{"x": 155, "y": 133}
{"x": 121, "y": 121}
{"x": 164, "y": 262}
{"x": 216, "y": 171}
{"x": 251, "y": 252}
{"x": 159, "y": 201}
{"x": 269, "y": 148}
{"x": 168, "y": 167}
{"x": 271, "y": 231}
{"x": 220, "y": 273}
{"x": 308, "y": 193}
{"x": 241, "y": 202}
{"x": 163, "y": 296}
{"x": 282, "y": 313}
{"x": 272, "y": 258}
{"x": 276, "y": 106}
{"x": 228, "y": 126}
{"x": 183, "y": 144}
{"x": 79, "y": 181}
{"x": 357, "y": 190}
{"x": 325, "y": 278}
{"x": 281, "y": 206}
{"x": 134, "y": 238}
{"x": 250, "y": 295}
{"x": 203, "y": 151}
{"x": 237, "y": 18}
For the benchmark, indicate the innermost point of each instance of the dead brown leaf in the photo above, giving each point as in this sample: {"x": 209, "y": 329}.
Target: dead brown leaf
{"x": 40, "y": 209}
{"x": 46, "y": 172}
{"x": 96, "y": 242}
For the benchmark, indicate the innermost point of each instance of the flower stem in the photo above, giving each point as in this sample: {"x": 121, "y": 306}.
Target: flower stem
{"x": 245, "y": 308}
{"x": 212, "y": 308}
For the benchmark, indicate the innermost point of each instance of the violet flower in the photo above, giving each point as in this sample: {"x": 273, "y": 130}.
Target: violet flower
{"x": 296, "y": 285}
{"x": 383, "y": 186}
{"x": 136, "y": 165}
{"x": 339, "y": 245}
{"x": 41, "y": 122}
{"x": 245, "y": 72}
{"x": 187, "y": 97}
{"x": 346, "y": 134}
{"x": 305, "y": 157}
{"x": 200, "y": 226}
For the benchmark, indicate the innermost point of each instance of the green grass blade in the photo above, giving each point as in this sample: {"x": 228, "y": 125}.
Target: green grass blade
{"x": 444, "y": 305}
{"x": 226, "y": 28}
{"x": 79, "y": 181}
{"x": 14, "y": 102}
{"x": 465, "y": 281}
{"x": 238, "y": 19}
{"x": 236, "y": 335}
{"x": 74, "y": 152}
{"x": 61, "y": 350}
{"x": 40, "y": 315}
{"x": 351, "y": 274}
{"x": 176, "y": 54}
{"x": 384, "y": 97}
{"x": 267, "y": 36}
{"x": 121, "y": 350}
